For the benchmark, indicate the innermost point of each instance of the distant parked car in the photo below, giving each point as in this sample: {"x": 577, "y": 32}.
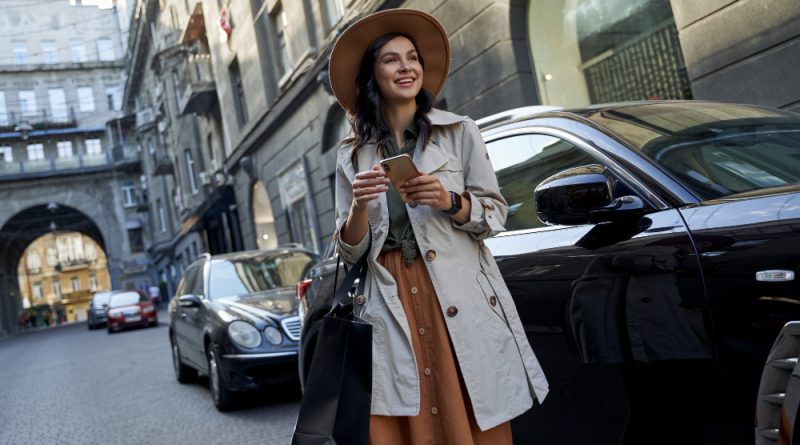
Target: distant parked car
{"x": 234, "y": 318}
{"x": 652, "y": 251}
{"x": 96, "y": 313}
{"x": 130, "y": 309}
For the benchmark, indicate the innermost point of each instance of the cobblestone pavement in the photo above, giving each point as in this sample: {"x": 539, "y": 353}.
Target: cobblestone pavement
{"x": 69, "y": 385}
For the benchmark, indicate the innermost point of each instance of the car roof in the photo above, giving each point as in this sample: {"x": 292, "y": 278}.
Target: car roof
{"x": 247, "y": 254}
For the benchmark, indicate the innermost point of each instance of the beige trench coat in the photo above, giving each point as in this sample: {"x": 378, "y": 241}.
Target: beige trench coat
{"x": 499, "y": 367}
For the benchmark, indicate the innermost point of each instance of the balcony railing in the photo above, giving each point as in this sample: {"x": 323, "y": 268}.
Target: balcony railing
{"x": 117, "y": 156}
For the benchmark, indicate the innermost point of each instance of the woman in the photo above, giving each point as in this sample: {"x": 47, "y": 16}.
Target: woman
{"x": 451, "y": 363}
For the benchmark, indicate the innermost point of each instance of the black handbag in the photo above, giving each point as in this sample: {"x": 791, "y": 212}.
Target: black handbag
{"x": 335, "y": 408}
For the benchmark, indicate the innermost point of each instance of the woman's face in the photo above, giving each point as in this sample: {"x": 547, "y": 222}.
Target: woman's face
{"x": 398, "y": 71}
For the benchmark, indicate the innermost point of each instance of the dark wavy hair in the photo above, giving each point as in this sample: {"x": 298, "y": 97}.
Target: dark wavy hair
{"x": 369, "y": 125}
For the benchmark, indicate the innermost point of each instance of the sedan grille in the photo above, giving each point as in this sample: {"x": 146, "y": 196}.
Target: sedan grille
{"x": 292, "y": 327}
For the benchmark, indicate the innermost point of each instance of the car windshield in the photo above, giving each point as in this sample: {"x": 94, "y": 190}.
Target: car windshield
{"x": 235, "y": 277}
{"x": 715, "y": 150}
{"x": 124, "y": 299}
{"x": 101, "y": 298}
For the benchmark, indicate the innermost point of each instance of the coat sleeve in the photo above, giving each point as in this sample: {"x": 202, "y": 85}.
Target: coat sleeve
{"x": 488, "y": 207}
{"x": 344, "y": 200}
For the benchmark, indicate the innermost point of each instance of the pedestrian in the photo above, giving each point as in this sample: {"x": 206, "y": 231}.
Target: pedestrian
{"x": 451, "y": 362}
{"x": 155, "y": 295}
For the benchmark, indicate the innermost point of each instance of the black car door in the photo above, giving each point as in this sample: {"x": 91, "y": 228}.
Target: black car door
{"x": 592, "y": 297}
{"x": 187, "y": 318}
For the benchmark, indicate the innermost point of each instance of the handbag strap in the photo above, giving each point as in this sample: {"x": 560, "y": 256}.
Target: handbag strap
{"x": 359, "y": 270}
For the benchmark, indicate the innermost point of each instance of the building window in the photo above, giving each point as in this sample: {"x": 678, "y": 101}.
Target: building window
{"x": 334, "y": 10}
{"x": 105, "y": 49}
{"x": 34, "y": 263}
{"x": 190, "y": 172}
{"x": 93, "y": 147}
{"x": 6, "y": 154}
{"x": 136, "y": 239}
{"x": 293, "y": 191}
{"x": 92, "y": 281}
{"x": 27, "y": 103}
{"x": 76, "y": 284}
{"x": 49, "y": 51}
{"x": 3, "y": 109}
{"x": 129, "y": 196}
{"x": 57, "y": 287}
{"x": 239, "y": 102}
{"x": 37, "y": 290}
{"x": 20, "y": 52}
{"x": 85, "y": 99}
{"x": 279, "y": 23}
{"x": 35, "y": 152}
{"x": 176, "y": 87}
{"x": 58, "y": 105}
{"x": 162, "y": 217}
{"x": 114, "y": 98}
{"x": 266, "y": 236}
{"x": 64, "y": 149}
{"x": 77, "y": 50}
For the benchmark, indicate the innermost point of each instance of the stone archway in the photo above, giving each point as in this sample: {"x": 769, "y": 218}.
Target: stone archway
{"x": 19, "y": 230}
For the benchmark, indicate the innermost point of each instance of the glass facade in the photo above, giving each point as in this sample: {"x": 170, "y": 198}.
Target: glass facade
{"x": 587, "y": 52}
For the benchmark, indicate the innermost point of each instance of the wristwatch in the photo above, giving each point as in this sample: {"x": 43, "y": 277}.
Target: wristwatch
{"x": 455, "y": 204}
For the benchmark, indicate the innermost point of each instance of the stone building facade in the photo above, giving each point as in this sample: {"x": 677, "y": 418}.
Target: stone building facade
{"x": 281, "y": 123}
{"x": 65, "y": 165}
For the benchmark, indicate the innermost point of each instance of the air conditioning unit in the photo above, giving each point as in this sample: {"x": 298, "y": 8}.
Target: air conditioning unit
{"x": 205, "y": 178}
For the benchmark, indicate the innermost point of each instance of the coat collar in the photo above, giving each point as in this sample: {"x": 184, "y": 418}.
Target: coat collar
{"x": 431, "y": 159}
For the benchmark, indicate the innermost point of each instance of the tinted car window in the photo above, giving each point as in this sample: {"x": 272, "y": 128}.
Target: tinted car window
{"x": 187, "y": 284}
{"x": 125, "y": 299}
{"x": 521, "y": 162}
{"x": 232, "y": 277}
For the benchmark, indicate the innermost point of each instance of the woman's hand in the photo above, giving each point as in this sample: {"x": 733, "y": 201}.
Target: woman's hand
{"x": 367, "y": 186}
{"x": 427, "y": 190}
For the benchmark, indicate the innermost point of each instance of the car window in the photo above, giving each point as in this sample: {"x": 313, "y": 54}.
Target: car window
{"x": 187, "y": 285}
{"x": 124, "y": 299}
{"x": 521, "y": 162}
{"x": 734, "y": 161}
{"x": 236, "y": 277}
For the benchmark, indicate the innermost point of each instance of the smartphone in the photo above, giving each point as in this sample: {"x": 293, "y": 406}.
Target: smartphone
{"x": 399, "y": 169}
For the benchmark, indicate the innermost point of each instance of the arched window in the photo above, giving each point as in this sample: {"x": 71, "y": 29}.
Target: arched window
{"x": 585, "y": 51}
{"x": 266, "y": 237}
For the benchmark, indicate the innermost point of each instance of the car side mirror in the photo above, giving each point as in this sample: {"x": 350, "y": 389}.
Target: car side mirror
{"x": 189, "y": 301}
{"x": 582, "y": 195}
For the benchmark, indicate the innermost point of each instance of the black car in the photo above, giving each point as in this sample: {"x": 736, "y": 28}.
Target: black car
{"x": 651, "y": 249}
{"x": 96, "y": 312}
{"x": 234, "y": 318}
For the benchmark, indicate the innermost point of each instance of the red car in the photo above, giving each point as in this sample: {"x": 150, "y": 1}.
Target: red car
{"x": 130, "y": 308}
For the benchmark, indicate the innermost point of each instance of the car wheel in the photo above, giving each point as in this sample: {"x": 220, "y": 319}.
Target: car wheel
{"x": 90, "y": 325}
{"x": 223, "y": 398}
{"x": 183, "y": 373}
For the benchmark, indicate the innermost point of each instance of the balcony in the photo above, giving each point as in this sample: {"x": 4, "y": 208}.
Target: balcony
{"x": 144, "y": 117}
{"x": 40, "y": 121}
{"x": 162, "y": 165}
{"x": 118, "y": 157}
{"x": 199, "y": 97}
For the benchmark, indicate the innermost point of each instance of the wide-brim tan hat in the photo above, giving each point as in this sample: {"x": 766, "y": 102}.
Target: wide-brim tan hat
{"x": 428, "y": 34}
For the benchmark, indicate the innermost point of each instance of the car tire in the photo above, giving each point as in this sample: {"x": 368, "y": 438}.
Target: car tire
{"x": 183, "y": 373}
{"x": 222, "y": 396}
{"x": 90, "y": 325}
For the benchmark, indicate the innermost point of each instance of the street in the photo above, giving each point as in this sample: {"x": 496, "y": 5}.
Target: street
{"x": 69, "y": 385}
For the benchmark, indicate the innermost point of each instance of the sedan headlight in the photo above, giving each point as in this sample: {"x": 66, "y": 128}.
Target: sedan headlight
{"x": 244, "y": 334}
{"x": 273, "y": 335}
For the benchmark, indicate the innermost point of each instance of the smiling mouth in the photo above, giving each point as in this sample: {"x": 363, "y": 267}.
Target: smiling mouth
{"x": 405, "y": 81}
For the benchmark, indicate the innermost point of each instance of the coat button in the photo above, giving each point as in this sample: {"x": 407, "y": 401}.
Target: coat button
{"x": 452, "y": 311}
{"x": 427, "y": 371}
{"x": 361, "y": 299}
{"x": 421, "y": 331}
{"x": 430, "y": 255}
{"x": 414, "y": 290}
{"x": 493, "y": 300}
{"x": 434, "y": 410}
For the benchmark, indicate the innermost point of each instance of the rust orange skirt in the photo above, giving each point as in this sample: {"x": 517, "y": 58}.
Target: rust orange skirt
{"x": 445, "y": 416}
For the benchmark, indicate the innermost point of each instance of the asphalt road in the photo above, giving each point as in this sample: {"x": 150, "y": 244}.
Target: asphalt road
{"x": 69, "y": 385}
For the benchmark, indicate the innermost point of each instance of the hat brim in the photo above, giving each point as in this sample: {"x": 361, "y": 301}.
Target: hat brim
{"x": 428, "y": 34}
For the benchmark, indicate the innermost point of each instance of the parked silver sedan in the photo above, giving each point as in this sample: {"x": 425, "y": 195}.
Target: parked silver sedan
{"x": 96, "y": 313}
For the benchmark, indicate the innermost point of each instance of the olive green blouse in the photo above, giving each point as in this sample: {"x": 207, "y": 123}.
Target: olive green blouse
{"x": 401, "y": 233}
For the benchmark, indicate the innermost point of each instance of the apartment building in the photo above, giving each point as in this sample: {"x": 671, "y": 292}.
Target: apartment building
{"x": 64, "y": 162}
